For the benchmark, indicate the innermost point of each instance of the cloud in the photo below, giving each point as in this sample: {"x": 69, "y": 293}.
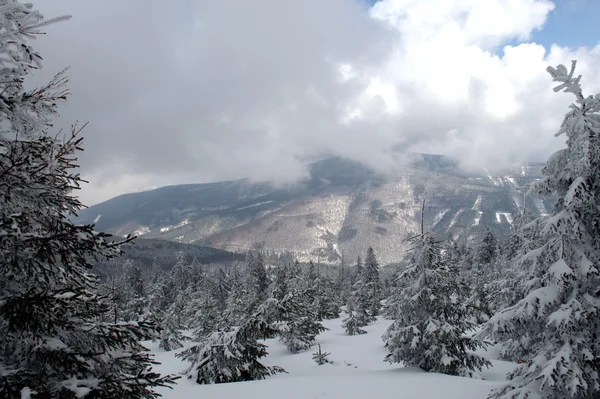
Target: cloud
{"x": 184, "y": 91}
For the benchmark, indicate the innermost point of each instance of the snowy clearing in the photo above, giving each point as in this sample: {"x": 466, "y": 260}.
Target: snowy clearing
{"x": 358, "y": 372}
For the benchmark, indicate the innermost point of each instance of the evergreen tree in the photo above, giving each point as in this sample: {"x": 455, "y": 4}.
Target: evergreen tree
{"x": 134, "y": 296}
{"x": 482, "y": 275}
{"x": 206, "y": 315}
{"x": 365, "y": 299}
{"x": 328, "y": 306}
{"x": 354, "y": 321}
{"x": 181, "y": 274}
{"x": 280, "y": 283}
{"x": 157, "y": 301}
{"x": 222, "y": 290}
{"x": 343, "y": 284}
{"x": 372, "y": 283}
{"x": 114, "y": 291}
{"x": 430, "y": 324}
{"x": 232, "y": 354}
{"x": 555, "y": 327}
{"x": 488, "y": 249}
{"x": 509, "y": 286}
{"x": 297, "y": 323}
{"x": 197, "y": 275}
{"x": 321, "y": 357}
{"x": 296, "y": 280}
{"x": 358, "y": 270}
{"x": 323, "y": 289}
{"x": 237, "y": 305}
{"x": 516, "y": 241}
{"x": 53, "y": 342}
{"x": 257, "y": 281}
{"x": 171, "y": 336}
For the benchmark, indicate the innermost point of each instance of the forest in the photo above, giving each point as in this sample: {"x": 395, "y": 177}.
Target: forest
{"x": 75, "y": 310}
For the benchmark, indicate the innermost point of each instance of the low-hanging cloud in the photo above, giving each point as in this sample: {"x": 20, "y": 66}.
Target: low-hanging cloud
{"x": 186, "y": 91}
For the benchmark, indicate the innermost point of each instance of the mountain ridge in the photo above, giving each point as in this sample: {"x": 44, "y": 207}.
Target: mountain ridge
{"x": 338, "y": 211}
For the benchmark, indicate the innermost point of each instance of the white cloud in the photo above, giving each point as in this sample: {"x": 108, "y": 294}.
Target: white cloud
{"x": 487, "y": 107}
{"x": 182, "y": 92}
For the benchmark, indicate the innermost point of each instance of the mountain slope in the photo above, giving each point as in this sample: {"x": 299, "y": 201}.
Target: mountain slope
{"x": 340, "y": 210}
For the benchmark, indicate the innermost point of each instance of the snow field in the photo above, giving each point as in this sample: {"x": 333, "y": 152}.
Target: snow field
{"x": 358, "y": 372}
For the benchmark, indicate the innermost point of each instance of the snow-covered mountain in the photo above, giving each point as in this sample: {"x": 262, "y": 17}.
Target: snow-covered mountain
{"x": 340, "y": 210}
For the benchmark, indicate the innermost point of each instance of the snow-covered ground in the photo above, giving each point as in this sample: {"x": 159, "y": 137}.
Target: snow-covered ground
{"x": 358, "y": 372}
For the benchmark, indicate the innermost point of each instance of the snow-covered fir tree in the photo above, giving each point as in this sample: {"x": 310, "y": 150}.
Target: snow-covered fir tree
{"x": 222, "y": 289}
{"x": 257, "y": 281}
{"x": 233, "y": 354}
{"x": 205, "y": 306}
{"x": 358, "y": 270}
{"x": 371, "y": 283}
{"x": 280, "y": 287}
{"x": 297, "y": 317}
{"x": 554, "y": 329}
{"x": 354, "y": 321}
{"x": 181, "y": 274}
{"x": 321, "y": 357}
{"x": 297, "y": 324}
{"x": 326, "y": 303}
{"x": 171, "y": 335}
{"x": 365, "y": 299}
{"x": 508, "y": 287}
{"x": 134, "y": 298}
{"x": 431, "y": 321}
{"x": 53, "y": 342}
{"x": 487, "y": 250}
{"x": 237, "y": 305}
{"x": 343, "y": 284}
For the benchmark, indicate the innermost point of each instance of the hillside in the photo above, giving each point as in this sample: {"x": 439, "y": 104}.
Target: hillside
{"x": 339, "y": 211}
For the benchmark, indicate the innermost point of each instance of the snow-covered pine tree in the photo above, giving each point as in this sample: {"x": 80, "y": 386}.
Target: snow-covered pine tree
{"x": 365, "y": 299}
{"x": 481, "y": 275}
{"x": 53, "y": 343}
{"x": 296, "y": 320}
{"x": 296, "y": 280}
{"x": 135, "y": 300}
{"x": 321, "y": 357}
{"x": 329, "y": 303}
{"x": 157, "y": 301}
{"x": 181, "y": 274}
{"x": 323, "y": 289}
{"x": 430, "y": 324}
{"x": 197, "y": 274}
{"x": 358, "y": 270}
{"x": 371, "y": 283}
{"x": 114, "y": 290}
{"x": 343, "y": 284}
{"x": 257, "y": 281}
{"x": 508, "y": 286}
{"x": 205, "y": 305}
{"x": 487, "y": 250}
{"x": 171, "y": 335}
{"x": 354, "y": 321}
{"x": 516, "y": 241}
{"x": 555, "y": 327}
{"x": 232, "y": 354}
{"x": 280, "y": 286}
{"x": 222, "y": 289}
{"x": 237, "y": 304}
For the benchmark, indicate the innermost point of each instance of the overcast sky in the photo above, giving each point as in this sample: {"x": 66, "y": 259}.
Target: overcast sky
{"x": 190, "y": 91}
